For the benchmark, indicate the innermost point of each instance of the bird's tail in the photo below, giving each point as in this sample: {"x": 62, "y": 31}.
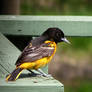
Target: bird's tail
{"x": 14, "y": 75}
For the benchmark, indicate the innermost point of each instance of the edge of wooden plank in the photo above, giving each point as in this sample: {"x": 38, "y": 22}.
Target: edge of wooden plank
{"x": 45, "y": 18}
{"x": 32, "y": 81}
{"x": 36, "y": 25}
{"x": 34, "y": 84}
{"x": 8, "y": 54}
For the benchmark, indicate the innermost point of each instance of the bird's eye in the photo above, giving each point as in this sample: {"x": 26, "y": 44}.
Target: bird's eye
{"x": 58, "y": 34}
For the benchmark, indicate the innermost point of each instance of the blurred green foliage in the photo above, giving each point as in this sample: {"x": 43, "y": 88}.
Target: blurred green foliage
{"x": 56, "y": 7}
{"x": 81, "y": 86}
{"x": 77, "y": 44}
{"x": 81, "y": 47}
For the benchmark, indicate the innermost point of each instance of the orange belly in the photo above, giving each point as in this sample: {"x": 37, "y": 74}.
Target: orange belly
{"x": 41, "y": 62}
{"x": 36, "y": 64}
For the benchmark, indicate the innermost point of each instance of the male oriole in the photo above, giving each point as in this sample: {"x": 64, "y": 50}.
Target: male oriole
{"x": 38, "y": 52}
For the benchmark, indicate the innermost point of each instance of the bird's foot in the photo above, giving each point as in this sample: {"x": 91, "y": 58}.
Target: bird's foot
{"x": 43, "y": 74}
{"x": 46, "y": 75}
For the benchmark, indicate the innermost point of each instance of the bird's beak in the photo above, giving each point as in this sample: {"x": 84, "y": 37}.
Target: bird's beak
{"x": 65, "y": 40}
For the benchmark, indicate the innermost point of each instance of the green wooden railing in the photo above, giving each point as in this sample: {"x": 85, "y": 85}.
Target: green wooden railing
{"x": 34, "y": 26}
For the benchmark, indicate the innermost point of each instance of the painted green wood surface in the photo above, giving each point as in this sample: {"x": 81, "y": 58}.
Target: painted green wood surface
{"x": 32, "y": 81}
{"x": 8, "y": 55}
{"x": 32, "y": 84}
{"x": 35, "y": 25}
{"x": 39, "y": 84}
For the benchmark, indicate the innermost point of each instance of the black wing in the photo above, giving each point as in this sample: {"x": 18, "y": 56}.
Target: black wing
{"x": 33, "y": 53}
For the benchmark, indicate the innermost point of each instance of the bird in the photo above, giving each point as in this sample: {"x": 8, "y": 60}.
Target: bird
{"x": 38, "y": 53}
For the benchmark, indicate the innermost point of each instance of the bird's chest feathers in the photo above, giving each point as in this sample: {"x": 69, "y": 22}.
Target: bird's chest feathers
{"x": 52, "y": 45}
{"x": 42, "y": 62}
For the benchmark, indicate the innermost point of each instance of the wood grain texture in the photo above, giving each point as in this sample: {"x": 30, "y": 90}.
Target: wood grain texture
{"x": 36, "y": 25}
{"x": 33, "y": 84}
{"x": 8, "y": 55}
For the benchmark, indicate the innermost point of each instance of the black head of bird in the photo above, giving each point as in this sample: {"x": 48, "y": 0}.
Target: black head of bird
{"x": 55, "y": 34}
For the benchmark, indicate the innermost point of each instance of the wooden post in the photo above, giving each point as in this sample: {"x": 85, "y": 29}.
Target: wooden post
{"x": 9, "y": 7}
